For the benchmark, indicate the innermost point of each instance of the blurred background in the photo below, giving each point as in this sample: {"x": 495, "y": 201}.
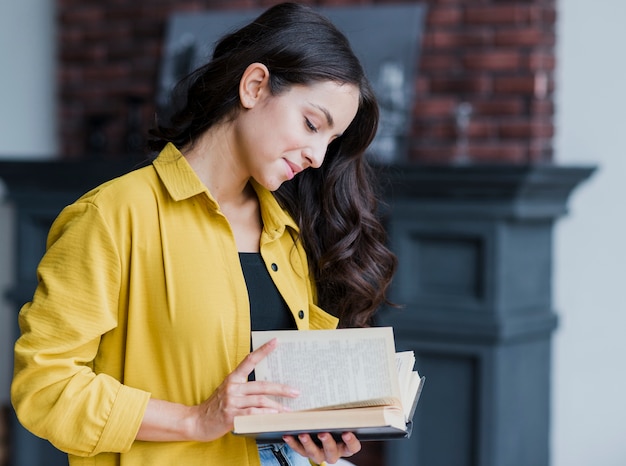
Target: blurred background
{"x": 499, "y": 87}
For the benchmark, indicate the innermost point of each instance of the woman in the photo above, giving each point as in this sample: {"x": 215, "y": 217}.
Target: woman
{"x": 257, "y": 213}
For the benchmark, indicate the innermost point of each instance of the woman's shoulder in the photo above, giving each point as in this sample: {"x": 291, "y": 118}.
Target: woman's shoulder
{"x": 133, "y": 188}
{"x": 117, "y": 206}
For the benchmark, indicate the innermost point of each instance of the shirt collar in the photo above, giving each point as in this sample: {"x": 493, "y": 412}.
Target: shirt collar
{"x": 177, "y": 175}
{"x": 275, "y": 218}
{"x": 182, "y": 183}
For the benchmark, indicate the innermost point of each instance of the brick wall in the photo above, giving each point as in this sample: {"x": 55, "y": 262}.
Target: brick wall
{"x": 495, "y": 55}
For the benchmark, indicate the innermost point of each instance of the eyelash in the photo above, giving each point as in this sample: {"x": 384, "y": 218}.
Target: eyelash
{"x": 310, "y": 125}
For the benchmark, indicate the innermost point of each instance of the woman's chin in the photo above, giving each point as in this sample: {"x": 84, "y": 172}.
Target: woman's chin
{"x": 271, "y": 185}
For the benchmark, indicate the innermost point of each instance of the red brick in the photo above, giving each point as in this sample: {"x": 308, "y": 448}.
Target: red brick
{"x": 542, "y": 107}
{"x": 543, "y": 131}
{"x": 500, "y": 106}
{"x": 541, "y": 60}
{"x": 103, "y": 33}
{"x": 86, "y": 55}
{"x": 549, "y": 14}
{"x": 448, "y": 15}
{"x": 515, "y": 85}
{"x": 511, "y": 13}
{"x": 432, "y": 153}
{"x": 70, "y": 35}
{"x": 454, "y": 39}
{"x": 512, "y": 152}
{"x": 108, "y": 72}
{"x": 494, "y": 53}
{"x": 515, "y": 130}
{"x": 446, "y": 130}
{"x": 524, "y": 36}
{"x": 481, "y": 128}
{"x": 465, "y": 84}
{"x": 541, "y": 150}
{"x": 422, "y": 85}
{"x": 526, "y": 129}
{"x": 431, "y": 63}
{"x": 493, "y": 60}
{"x": 422, "y": 131}
{"x": 84, "y": 14}
{"x": 343, "y": 2}
{"x": 435, "y": 107}
{"x": 70, "y": 74}
{"x": 443, "y": 131}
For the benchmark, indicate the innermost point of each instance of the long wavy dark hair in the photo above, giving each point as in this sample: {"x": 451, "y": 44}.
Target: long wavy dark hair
{"x": 336, "y": 205}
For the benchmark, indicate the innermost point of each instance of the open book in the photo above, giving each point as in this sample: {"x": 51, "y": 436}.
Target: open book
{"x": 350, "y": 380}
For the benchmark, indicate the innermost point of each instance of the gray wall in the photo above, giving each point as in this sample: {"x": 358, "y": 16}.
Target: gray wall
{"x": 590, "y": 281}
{"x": 6, "y": 313}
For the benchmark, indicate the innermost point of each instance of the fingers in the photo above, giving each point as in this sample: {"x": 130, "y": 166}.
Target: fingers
{"x": 236, "y": 396}
{"x": 236, "y": 388}
{"x": 330, "y": 451}
{"x": 257, "y": 397}
{"x": 256, "y": 404}
{"x": 269, "y": 388}
{"x": 251, "y": 360}
{"x": 241, "y": 398}
{"x": 351, "y": 443}
{"x": 239, "y": 377}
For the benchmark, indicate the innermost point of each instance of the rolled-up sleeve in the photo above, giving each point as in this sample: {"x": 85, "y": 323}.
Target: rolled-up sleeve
{"x": 57, "y": 391}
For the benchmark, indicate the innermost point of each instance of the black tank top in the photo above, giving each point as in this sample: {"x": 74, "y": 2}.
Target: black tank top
{"x": 268, "y": 310}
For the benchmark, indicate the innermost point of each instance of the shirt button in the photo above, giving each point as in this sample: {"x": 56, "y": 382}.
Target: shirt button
{"x": 274, "y": 267}
{"x": 301, "y": 314}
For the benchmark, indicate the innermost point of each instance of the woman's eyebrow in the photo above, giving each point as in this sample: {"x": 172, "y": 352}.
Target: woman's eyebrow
{"x": 324, "y": 110}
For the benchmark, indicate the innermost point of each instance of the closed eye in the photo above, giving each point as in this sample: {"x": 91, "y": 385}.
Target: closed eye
{"x": 310, "y": 125}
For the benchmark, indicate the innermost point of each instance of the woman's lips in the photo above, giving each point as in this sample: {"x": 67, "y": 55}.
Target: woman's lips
{"x": 292, "y": 169}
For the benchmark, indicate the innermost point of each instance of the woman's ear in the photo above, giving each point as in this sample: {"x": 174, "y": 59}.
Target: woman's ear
{"x": 254, "y": 84}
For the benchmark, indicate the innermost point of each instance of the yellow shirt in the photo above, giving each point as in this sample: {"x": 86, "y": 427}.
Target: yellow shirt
{"x": 141, "y": 294}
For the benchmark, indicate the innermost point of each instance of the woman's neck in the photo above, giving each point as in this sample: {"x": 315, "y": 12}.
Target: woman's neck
{"x": 213, "y": 157}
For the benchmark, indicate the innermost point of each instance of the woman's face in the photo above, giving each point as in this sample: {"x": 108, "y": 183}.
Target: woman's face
{"x": 281, "y": 135}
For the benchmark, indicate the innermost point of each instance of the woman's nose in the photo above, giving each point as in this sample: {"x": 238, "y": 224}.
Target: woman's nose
{"x": 315, "y": 155}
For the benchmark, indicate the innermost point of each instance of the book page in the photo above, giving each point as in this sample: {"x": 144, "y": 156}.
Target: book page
{"x": 410, "y": 382}
{"x": 405, "y": 361}
{"x": 332, "y": 367}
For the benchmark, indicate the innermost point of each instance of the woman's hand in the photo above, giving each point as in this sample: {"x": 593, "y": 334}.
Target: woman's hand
{"x": 236, "y": 396}
{"x": 330, "y": 451}
{"x": 210, "y": 420}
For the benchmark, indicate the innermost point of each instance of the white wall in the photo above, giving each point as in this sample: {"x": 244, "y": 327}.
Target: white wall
{"x": 28, "y": 79}
{"x": 589, "y": 393}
